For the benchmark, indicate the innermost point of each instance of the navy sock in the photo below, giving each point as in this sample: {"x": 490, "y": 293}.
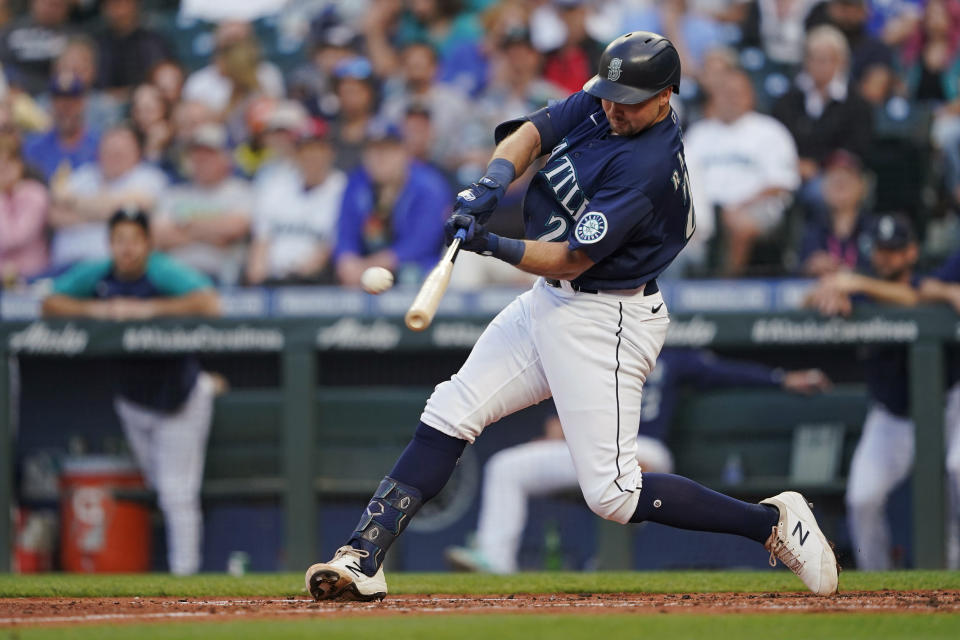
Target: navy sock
{"x": 680, "y": 502}
{"x": 428, "y": 461}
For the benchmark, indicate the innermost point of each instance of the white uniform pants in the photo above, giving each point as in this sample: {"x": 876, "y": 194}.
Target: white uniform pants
{"x": 592, "y": 353}
{"x": 170, "y": 449}
{"x": 513, "y": 476}
{"x": 882, "y": 460}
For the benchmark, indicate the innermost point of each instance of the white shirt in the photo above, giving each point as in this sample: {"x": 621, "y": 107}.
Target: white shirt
{"x": 88, "y": 240}
{"x": 295, "y": 220}
{"x": 190, "y": 202}
{"x": 731, "y": 163}
{"x": 209, "y": 86}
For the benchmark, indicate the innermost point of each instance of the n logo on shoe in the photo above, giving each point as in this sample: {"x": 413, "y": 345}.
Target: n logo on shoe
{"x": 354, "y": 569}
{"x": 803, "y": 536}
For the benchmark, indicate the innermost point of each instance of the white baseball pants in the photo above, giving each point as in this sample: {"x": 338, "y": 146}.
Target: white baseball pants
{"x": 514, "y": 475}
{"x": 592, "y": 353}
{"x": 170, "y": 449}
{"x": 882, "y": 460}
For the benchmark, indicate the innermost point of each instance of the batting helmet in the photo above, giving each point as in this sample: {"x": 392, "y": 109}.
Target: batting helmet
{"x": 634, "y": 67}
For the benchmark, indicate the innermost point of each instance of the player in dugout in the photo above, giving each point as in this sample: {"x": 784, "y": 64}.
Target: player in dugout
{"x": 544, "y": 466}
{"x": 884, "y": 455}
{"x": 164, "y": 403}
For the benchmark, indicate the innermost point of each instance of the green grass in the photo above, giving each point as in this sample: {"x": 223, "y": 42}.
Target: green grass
{"x": 531, "y": 627}
{"x": 291, "y": 584}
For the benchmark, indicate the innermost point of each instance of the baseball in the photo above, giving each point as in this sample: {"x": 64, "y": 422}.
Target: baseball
{"x": 376, "y": 280}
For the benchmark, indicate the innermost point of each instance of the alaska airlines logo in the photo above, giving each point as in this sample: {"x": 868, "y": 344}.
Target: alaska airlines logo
{"x": 613, "y": 71}
{"x": 561, "y": 175}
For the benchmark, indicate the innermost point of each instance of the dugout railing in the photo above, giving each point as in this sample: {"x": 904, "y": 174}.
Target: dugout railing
{"x": 305, "y": 417}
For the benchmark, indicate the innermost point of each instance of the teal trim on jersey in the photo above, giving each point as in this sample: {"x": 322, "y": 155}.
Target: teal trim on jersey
{"x": 81, "y": 280}
{"x": 174, "y": 278}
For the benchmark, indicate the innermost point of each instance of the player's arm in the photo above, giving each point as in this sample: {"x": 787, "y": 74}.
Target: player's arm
{"x": 933, "y": 290}
{"x": 59, "y": 305}
{"x": 707, "y": 370}
{"x": 203, "y": 302}
{"x": 899, "y": 293}
{"x": 553, "y": 260}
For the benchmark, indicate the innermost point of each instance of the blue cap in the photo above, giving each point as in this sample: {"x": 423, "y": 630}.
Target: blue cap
{"x": 357, "y": 67}
{"x": 892, "y": 231}
{"x": 383, "y": 131}
{"x": 67, "y": 85}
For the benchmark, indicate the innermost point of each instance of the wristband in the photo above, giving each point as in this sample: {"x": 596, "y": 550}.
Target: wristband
{"x": 502, "y": 171}
{"x": 507, "y": 249}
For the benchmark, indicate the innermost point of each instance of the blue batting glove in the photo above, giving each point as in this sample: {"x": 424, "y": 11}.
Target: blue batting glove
{"x": 476, "y": 238}
{"x": 480, "y": 199}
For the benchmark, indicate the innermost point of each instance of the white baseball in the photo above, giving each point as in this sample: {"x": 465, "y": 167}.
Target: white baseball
{"x": 376, "y": 280}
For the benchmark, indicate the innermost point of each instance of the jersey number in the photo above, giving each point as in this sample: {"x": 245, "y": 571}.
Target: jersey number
{"x": 558, "y": 232}
{"x": 684, "y": 181}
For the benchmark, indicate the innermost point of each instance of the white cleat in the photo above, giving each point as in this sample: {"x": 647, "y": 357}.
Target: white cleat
{"x": 342, "y": 578}
{"x": 798, "y": 543}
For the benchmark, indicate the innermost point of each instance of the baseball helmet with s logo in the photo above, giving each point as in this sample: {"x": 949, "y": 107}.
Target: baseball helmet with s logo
{"x": 634, "y": 67}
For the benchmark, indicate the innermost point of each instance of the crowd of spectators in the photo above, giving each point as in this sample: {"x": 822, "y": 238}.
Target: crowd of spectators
{"x": 283, "y": 142}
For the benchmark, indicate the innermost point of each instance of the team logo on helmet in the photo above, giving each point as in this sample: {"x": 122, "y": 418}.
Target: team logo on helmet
{"x": 591, "y": 228}
{"x": 613, "y": 70}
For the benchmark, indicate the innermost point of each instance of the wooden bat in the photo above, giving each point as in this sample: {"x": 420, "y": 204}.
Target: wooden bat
{"x": 424, "y": 306}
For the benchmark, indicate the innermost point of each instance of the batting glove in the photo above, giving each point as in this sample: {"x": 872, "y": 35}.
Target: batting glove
{"x": 476, "y": 238}
{"x": 481, "y": 198}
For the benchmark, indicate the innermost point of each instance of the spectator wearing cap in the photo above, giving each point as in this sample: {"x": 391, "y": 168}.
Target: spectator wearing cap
{"x": 30, "y": 44}
{"x": 357, "y": 92}
{"x": 392, "y": 213}
{"x": 79, "y": 59}
{"x": 164, "y": 403}
{"x": 205, "y": 222}
{"x": 128, "y": 50}
{"x": 744, "y": 165}
{"x": 838, "y": 237}
{"x": 236, "y": 72}
{"x": 84, "y": 201}
{"x": 283, "y": 124}
{"x": 822, "y": 111}
{"x": 312, "y": 84}
{"x": 70, "y": 143}
{"x": 23, "y": 216}
{"x": 416, "y": 85}
{"x": 296, "y": 206}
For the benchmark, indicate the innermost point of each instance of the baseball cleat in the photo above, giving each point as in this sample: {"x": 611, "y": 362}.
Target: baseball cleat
{"x": 342, "y": 578}
{"x": 796, "y": 540}
{"x": 467, "y": 559}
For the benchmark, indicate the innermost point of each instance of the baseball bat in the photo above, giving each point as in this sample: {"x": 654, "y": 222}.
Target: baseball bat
{"x": 424, "y": 306}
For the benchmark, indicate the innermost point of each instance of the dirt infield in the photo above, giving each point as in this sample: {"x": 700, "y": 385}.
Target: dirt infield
{"x": 69, "y": 611}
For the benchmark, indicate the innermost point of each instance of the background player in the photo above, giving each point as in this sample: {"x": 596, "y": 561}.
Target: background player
{"x": 512, "y": 476}
{"x": 164, "y": 404}
{"x": 884, "y": 454}
{"x": 605, "y": 216}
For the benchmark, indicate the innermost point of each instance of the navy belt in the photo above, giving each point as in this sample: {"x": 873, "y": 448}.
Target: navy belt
{"x": 649, "y": 288}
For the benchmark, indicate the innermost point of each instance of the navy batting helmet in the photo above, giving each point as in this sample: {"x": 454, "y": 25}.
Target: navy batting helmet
{"x": 634, "y": 67}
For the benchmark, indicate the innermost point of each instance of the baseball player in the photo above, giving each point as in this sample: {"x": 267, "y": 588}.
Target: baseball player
{"x": 514, "y": 475}
{"x": 164, "y": 404}
{"x": 608, "y": 212}
{"x": 884, "y": 454}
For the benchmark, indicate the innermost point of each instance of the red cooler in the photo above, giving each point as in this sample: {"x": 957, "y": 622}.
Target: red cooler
{"x": 99, "y": 532}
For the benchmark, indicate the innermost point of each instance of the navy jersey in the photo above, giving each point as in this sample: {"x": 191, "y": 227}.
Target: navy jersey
{"x": 700, "y": 368}
{"x": 161, "y": 383}
{"x": 624, "y": 200}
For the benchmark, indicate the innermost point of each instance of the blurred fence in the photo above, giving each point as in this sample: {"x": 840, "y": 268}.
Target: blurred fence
{"x": 352, "y": 384}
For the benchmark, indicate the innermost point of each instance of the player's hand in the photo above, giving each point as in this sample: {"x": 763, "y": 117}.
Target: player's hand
{"x": 807, "y": 382}
{"x": 476, "y": 238}
{"x": 480, "y": 199}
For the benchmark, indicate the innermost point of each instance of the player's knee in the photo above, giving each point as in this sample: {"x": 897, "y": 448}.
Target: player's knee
{"x": 444, "y": 402}
{"x": 611, "y": 505}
